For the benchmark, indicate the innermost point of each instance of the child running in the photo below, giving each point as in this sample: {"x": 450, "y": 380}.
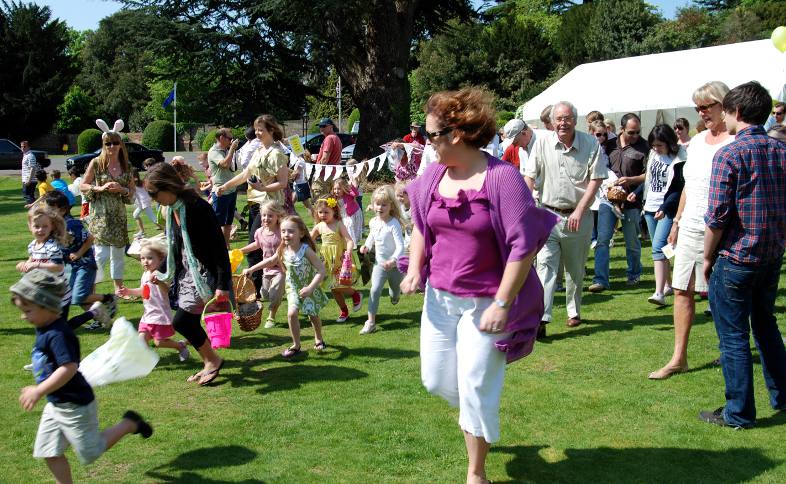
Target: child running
{"x": 70, "y": 416}
{"x": 406, "y": 221}
{"x": 336, "y": 244}
{"x": 345, "y": 192}
{"x": 304, "y": 273}
{"x": 267, "y": 238}
{"x": 78, "y": 254}
{"x": 142, "y": 203}
{"x": 385, "y": 237}
{"x": 156, "y": 321}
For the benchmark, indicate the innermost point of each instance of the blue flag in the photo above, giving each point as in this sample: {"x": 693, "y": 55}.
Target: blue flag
{"x": 169, "y": 99}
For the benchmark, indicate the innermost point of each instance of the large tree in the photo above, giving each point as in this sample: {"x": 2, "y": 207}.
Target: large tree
{"x": 367, "y": 41}
{"x": 36, "y": 69}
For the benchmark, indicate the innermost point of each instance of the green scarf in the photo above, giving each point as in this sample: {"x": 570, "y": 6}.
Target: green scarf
{"x": 203, "y": 289}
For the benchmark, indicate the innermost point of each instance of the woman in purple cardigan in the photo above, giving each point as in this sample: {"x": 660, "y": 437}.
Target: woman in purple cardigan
{"x": 483, "y": 303}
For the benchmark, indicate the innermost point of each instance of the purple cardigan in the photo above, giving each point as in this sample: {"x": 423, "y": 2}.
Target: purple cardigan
{"x": 520, "y": 228}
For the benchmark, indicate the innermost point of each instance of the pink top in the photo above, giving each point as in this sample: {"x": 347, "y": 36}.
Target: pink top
{"x": 350, "y": 204}
{"x": 157, "y": 309}
{"x": 465, "y": 221}
{"x": 268, "y": 241}
{"x": 331, "y": 144}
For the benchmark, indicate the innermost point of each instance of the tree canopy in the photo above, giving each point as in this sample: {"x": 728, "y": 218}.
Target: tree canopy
{"x": 36, "y": 69}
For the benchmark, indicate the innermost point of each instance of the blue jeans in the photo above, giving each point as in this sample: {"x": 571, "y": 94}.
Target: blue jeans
{"x": 630, "y": 229}
{"x": 83, "y": 278}
{"x": 742, "y": 299}
{"x": 659, "y": 233}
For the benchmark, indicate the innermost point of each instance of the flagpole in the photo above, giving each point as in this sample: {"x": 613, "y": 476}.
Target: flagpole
{"x": 174, "y": 127}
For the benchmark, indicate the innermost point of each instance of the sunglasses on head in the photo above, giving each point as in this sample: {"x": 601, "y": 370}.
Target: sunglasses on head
{"x": 111, "y": 143}
{"x": 705, "y": 107}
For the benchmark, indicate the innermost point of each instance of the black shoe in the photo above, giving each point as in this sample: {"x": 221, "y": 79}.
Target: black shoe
{"x": 541, "y": 332}
{"x": 716, "y": 418}
{"x": 143, "y": 428}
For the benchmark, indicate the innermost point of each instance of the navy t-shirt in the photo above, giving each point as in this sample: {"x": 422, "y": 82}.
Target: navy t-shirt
{"x": 78, "y": 234}
{"x": 57, "y": 345}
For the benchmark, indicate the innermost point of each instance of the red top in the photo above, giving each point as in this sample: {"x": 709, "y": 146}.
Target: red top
{"x": 419, "y": 138}
{"x": 332, "y": 144}
{"x": 511, "y": 155}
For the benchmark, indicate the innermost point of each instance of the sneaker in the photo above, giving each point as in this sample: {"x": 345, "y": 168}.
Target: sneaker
{"x": 634, "y": 281}
{"x": 593, "y": 244}
{"x": 597, "y": 288}
{"x": 142, "y": 428}
{"x": 110, "y": 305}
{"x": 357, "y": 301}
{"x": 394, "y": 301}
{"x": 368, "y": 328}
{"x": 342, "y": 317}
{"x": 100, "y": 314}
{"x": 28, "y": 367}
{"x": 270, "y": 323}
{"x": 94, "y": 326}
{"x": 139, "y": 235}
{"x": 657, "y": 299}
{"x": 669, "y": 291}
{"x": 183, "y": 352}
{"x": 716, "y": 418}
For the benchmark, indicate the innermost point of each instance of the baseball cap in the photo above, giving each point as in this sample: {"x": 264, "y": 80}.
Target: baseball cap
{"x": 326, "y": 121}
{"x": 514, "y": 127}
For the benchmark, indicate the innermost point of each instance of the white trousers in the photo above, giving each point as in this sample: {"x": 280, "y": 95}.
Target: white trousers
{"x": 572, "y": 248}
{"x": 460, "y": 363}
{"x": 116, "y": 257}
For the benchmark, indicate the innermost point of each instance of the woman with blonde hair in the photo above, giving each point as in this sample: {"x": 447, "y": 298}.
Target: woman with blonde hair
{"x": 687, "y": 229}
{"x": 108, "y": 186}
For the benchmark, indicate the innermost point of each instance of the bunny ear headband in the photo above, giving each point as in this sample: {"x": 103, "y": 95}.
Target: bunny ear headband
{"x": 117, "y": 128}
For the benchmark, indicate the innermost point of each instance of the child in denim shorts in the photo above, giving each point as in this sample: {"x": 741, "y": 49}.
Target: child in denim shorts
{"x": 70, "y": 416}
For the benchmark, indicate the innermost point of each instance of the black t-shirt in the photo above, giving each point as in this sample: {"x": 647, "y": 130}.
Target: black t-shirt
{"x": 57, "y": 345}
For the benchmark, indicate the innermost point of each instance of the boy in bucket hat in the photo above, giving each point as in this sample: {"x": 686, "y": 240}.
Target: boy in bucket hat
{"x": 70, "y": 417}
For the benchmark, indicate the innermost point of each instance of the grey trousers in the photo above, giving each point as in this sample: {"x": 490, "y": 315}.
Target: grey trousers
{"x": 378, "y": 278}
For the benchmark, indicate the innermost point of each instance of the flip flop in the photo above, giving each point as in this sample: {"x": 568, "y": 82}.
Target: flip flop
{"x": 320, "y": 346}
{"x": 195, "y": 377}
{"x": 291, "y": 352}
{"x": 212, "y": 375}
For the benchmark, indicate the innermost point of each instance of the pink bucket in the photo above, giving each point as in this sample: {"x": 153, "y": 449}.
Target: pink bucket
{"x": 219, "y": 329}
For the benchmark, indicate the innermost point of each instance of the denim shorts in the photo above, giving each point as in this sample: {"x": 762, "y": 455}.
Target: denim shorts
{"x": 83, "y": 278}
{"x": 224, "y": 208}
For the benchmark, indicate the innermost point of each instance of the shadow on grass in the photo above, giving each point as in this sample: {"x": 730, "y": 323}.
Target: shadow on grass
{"x": 637, "y": 465}
{"x": 290, "y": 377}
{"x": 11, "y": 201}
{"x": 181, "y": 468}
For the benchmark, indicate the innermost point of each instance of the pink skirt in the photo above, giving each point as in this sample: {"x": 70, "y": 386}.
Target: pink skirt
{"x": 158, "y": 332}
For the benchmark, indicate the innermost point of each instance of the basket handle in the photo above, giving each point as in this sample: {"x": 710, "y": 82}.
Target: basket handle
{"x": 211, "y": 301}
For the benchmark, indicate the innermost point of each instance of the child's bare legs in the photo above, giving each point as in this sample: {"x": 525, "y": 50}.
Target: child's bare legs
{"x": 272, "y": 310}
{"x": 338, "y": 295}
{"x": 160, "y": 343}
{"x": 294, "y": 326}
{"x": 139, "y": 224}
{"x": 317, "y": 324}
{"x": 60, "y": 468}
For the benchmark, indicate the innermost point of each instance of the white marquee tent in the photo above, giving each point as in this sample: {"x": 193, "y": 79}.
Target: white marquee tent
{"x": 658, "y": 87}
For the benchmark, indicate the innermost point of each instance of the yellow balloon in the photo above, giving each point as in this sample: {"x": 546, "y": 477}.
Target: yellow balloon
{"x": 779, "y": 38}
{"x": 235, "y": 258}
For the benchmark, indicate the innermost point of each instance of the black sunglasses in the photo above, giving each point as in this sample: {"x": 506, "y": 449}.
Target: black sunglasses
{"x": 437, "y": 134}
{"x": 601, "y": 135}
{"x": 778, "y": 113}
{"x": 112, "y": 143}
{"x": 152, "y": 193}
{"x": 705, "y": 107}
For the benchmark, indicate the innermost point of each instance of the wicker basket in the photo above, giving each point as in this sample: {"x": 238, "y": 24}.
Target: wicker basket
{"x": 248, "y": 311}
{"x": 616, "y": 194}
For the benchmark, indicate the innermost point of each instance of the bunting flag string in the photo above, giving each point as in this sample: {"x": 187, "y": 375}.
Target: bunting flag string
{"x": 391, "y": 157}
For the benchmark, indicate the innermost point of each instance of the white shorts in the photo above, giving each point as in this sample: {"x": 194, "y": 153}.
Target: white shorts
{"x": 689, "y": 260}
{"x": 69, "y": 423}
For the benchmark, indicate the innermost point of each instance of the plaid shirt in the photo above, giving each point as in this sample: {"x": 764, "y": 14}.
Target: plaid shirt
{"x": 747, "y": 198}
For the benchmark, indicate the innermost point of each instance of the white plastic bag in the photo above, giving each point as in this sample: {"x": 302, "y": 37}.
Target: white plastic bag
{"x": 124, "y": 357}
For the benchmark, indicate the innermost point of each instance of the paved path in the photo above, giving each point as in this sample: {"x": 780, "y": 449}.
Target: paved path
{"x": 58, "y": 162}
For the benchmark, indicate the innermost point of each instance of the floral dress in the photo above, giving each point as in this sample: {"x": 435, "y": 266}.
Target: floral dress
{"x": 299, "y": 274}
{"x": 107, "y": 220}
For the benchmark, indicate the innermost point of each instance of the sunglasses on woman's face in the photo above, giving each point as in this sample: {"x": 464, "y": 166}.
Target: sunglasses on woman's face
{"x": 112, "y": 143}
{"x": 152, "y": 193}
{"x": 601, "y": 135}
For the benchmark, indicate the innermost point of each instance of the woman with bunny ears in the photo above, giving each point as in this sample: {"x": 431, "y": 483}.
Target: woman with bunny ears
{"x": 108, "y": 187}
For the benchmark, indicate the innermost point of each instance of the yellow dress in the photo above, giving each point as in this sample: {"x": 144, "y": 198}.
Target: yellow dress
{"x": 332, "y": 252}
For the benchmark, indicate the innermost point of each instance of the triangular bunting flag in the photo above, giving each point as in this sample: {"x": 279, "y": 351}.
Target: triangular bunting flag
{"x": 408, "y": 148}
{"x": 308, "y": 170}
{"x": 318, "y": 171}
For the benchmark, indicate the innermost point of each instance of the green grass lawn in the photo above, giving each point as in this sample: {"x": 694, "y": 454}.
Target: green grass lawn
{"x": 579, "y": 409}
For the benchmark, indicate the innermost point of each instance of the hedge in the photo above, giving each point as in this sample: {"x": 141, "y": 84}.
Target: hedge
{"x": 89, "y": 140}
{"x": 158, "y": 136}
{"x": 210, "y": 137}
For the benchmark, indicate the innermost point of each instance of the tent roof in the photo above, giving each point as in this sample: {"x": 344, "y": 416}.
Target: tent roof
{"x": 662, "y": 81}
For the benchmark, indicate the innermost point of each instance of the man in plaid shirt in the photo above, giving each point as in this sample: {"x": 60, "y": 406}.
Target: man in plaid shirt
{"x": 743, "y": 251}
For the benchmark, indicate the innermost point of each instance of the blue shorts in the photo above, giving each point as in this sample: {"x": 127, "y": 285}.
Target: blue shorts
{"x": 302, "y": 192}
{"x": 83, "y": 278}
{"x": 224, "y": 208}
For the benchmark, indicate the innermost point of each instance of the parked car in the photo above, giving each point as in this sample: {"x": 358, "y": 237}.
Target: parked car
{"x": 136, "y": 154}
{"x": 312, "y": 142}
{"x": 347, "y": 153}
{"x": 11, "y": 156}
